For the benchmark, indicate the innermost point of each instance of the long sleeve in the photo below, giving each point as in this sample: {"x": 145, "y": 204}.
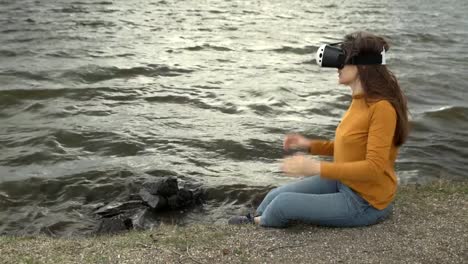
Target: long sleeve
{"x": 382, "y": 125}
{"x": 321, "y": 147}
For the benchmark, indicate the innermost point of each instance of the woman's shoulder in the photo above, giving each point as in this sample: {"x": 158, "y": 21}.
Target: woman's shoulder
{"x": 383, "y": 106}
{"x": 380, "y": 104}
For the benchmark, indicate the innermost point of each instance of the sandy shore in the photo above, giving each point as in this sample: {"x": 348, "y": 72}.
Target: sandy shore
{"x": 429, "y": 225}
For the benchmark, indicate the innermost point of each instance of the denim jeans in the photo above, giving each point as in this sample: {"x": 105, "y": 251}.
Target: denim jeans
{"x": 318, "y": 201}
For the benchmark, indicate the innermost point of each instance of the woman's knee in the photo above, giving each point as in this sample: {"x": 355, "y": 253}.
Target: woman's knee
{"x": 276, "y": 215}
{"x": 280, "y": 203}
{"x": 274, "y": 192}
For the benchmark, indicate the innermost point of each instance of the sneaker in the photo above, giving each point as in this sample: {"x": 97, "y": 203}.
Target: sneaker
{"x": 241, "y": 219}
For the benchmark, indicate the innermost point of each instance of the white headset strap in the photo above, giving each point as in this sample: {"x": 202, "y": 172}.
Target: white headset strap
{"x": 384, "y": 60}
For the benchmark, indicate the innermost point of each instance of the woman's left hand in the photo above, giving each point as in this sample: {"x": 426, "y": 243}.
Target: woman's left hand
{"x": 300, "y": 165}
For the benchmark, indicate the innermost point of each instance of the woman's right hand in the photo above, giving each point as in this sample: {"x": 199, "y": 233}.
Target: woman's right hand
{"x": 295, "y": 141}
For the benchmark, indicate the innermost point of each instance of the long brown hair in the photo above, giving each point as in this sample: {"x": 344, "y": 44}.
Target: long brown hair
{"x": 378, "y": 82}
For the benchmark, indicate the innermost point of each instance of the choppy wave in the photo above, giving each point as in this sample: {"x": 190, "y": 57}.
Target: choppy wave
{"x": 92, "y": 3}
{"x": 450, "y": 113}
{"x": 15, "y": 96}
{"x": 71, "y": 10}
{"x": 227, "y": 108}
{"x": 40, "y": 76}
{"x": 307, "y": 50}
{"x": 254, "y": 149}
{"x": 207, "y": 47}
{"x": 62, "y": 145}
{"x": 94, "y": 73}
{"x": 7, "y": 53}
{"x": 428, "y": 37}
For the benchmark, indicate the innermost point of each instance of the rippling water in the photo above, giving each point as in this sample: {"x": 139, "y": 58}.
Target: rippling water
{"x": 96, "y": 97}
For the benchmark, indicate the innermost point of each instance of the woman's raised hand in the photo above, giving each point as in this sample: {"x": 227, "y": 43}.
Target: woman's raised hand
{"x": 295, "y": 141}
{"x": 300, "y": 165}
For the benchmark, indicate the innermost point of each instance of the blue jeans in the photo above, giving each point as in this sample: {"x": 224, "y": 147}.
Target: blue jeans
{"x": 318, "y": 201}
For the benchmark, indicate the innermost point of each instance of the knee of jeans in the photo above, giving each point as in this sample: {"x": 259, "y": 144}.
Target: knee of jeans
{"x": 276, "y": 189}
{"x": 273, "y": 192}
{"x": 280, "y": 202}
{"x": 284, "y": 196}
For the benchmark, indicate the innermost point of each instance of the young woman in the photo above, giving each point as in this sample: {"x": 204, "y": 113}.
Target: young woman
{"x": 358, "y": 187}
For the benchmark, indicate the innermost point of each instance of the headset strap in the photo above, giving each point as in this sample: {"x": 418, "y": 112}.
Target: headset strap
{"x": 369, "y": 59}
{"x": 366, "y": 59}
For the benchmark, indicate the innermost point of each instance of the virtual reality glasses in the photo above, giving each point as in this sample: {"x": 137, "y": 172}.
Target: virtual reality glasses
{"x": 333, "y": 56}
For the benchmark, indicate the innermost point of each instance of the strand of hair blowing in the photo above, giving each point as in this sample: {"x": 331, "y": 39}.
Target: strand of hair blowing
{"x": 378, "y": 82}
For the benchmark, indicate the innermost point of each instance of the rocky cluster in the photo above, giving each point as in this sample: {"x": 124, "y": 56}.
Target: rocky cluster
{"x": 141, "y": 210}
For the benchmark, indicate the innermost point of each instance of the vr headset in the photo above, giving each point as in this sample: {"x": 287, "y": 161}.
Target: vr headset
{"x": 333, "y": 56}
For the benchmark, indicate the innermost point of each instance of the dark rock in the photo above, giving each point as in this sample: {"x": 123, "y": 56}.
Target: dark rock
{"x": 153, "y": 201}
{"x": 117, "y": 208}
{"x": 141, "y": 219}
{"x": 172, "y": 202}
{"x": 184, "y": 197}
{"x": 164, "y": 186}
{"x": 134, "y": 196}
{"x": 140, "y": 211}
{"x": 114, "y": 225}
{"x": 46, "y": 231}
{"x": 145, "y": 219}
{"x": 198, "y": 195}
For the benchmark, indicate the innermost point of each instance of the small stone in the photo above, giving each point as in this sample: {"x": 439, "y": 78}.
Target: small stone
{"x": 144, "y": 219}
{"x": 153, "y": 201}
{"x": 183, "y": 198}
{"x": 172, "y": 202}
{"x": 117, "y": 208}
{"x": 166, "y": 186}
{"x": 114, "y": 225}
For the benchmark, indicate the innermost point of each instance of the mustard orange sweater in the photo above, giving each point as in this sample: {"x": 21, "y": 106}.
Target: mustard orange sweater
{"x": 363, "y": 151}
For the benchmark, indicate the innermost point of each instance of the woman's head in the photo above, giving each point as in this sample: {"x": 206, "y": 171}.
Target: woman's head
{"x": 377, "y": 81}
{"x": 360, "y": 43}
